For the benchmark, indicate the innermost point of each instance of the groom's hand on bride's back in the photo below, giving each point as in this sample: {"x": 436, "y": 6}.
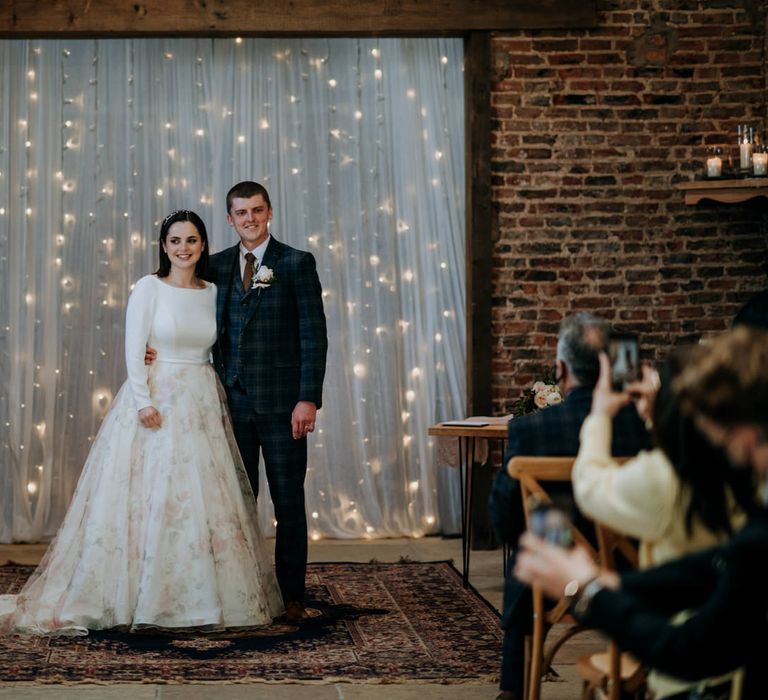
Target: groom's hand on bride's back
{"x": 150, "y": 355}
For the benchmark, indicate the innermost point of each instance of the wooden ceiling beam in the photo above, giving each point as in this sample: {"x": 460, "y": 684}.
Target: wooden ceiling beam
{"x": 129, "y": 18}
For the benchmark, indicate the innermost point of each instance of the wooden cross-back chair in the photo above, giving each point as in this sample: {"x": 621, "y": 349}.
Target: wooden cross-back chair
{"x": 534, "y": 473}
{"x": 615, "y": 673}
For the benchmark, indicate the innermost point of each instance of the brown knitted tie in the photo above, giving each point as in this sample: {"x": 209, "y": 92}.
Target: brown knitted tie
{"x": 248, "y": 271}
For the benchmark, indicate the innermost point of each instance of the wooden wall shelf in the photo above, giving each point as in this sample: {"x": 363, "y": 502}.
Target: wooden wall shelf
{"x": 725, "y": 191}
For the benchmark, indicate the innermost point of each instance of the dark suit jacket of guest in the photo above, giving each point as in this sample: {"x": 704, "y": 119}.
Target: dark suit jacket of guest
{"x": 728, "y": 585}
{"x": 283, "y": 340}
{"x": 554, "y": 431}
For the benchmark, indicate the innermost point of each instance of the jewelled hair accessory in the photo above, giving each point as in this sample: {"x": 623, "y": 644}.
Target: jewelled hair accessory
{"x": 175, "y": 213}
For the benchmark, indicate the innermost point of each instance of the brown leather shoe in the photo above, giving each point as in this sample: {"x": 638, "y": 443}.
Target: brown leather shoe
{"x": 295, "y": 611}
{"x": 506, "y": 695}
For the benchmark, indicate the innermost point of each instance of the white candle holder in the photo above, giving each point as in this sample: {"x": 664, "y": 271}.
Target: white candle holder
{"x": 713, "y": 166}
{"x": 760, "y": 162}
{"x": 745, "y": 137}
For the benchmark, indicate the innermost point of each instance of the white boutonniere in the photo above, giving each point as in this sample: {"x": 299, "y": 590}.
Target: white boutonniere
{"x": 264, "y": 277}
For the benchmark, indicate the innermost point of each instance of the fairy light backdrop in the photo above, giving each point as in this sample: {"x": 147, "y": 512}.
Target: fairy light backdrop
{"x": 360, "y": 143}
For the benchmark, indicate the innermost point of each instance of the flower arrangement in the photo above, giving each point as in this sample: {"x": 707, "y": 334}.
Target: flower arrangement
{"x": 542, "y": 394}
{"x": 264, "y": 277}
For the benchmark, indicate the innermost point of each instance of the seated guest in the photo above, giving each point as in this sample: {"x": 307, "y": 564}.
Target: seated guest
{"x": 553, "y": 431}
{"x": 680, "y": 497}
{"x": 725, "y": 389}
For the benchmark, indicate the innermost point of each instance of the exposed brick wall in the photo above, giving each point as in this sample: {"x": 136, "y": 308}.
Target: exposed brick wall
{"x": 592, "y": 130}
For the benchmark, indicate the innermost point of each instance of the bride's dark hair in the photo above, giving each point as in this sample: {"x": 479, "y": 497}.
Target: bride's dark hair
{"x": 182, "y": 215}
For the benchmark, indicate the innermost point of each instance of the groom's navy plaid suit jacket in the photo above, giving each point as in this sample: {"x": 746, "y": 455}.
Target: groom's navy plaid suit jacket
{"x": 283, "y": 339}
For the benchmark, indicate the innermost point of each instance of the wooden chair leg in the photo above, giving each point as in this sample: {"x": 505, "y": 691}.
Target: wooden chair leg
{"x": 527, "y": 667}
{"x": 549, "y": 657}
{"x": 537, "y": 649}
{"x": 614, "y": 678}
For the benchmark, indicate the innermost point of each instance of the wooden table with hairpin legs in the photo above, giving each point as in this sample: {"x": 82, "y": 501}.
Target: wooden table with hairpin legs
{"x": 467, "y": 435}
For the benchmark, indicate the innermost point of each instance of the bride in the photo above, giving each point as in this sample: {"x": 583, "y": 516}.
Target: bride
{"x": 162, "y": 530}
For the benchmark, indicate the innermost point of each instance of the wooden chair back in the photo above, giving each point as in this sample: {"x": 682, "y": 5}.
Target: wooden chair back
{"x": 534, "y": 473}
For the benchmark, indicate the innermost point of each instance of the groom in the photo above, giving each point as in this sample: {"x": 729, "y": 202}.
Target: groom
{"x": 270, "y": 355}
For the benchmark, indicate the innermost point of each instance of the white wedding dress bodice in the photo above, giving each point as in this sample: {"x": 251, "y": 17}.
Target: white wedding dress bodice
{"x": 179, "y": 323}
{"x": 161, "y": 531}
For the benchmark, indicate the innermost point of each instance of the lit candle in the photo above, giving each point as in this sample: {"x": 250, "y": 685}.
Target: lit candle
{"x": 760, "y": 163}
{"x": 714, "y": 166}
{"x": 745, "y": 154}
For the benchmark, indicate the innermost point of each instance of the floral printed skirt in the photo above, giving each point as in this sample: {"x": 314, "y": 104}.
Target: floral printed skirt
{"x": 161, "y": 531}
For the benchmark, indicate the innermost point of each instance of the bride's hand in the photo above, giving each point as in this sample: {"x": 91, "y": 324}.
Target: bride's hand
{"x": 150, "y": 355}
{"x": 150, "y": 417}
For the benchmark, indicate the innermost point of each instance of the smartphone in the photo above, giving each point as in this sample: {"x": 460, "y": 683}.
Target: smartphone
{"x": 551, "y": 524}
{"x": 624, "y": 352}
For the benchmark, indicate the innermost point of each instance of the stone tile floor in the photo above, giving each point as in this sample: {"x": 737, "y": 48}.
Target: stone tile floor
{"x": 485, "y": 576}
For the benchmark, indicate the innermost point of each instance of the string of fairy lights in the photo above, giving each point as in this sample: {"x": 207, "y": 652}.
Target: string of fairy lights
{"x": 79, "y": 228}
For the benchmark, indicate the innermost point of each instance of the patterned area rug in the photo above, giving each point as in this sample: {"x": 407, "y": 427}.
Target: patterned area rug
{"x": 375, "y": 623}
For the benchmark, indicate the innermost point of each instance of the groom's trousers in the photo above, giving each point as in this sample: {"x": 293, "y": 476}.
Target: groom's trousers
{"x": 285, "y": 462}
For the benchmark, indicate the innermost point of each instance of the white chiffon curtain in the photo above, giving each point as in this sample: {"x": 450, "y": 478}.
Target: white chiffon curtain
{"x": 361, "y": 145}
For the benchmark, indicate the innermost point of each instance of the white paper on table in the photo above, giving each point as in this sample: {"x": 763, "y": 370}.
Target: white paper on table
{"x": 448, "y": 447}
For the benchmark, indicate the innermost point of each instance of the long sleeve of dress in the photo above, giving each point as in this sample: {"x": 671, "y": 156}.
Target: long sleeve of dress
{"x": 138, "y": 323}
{"x": 638, "y": 498}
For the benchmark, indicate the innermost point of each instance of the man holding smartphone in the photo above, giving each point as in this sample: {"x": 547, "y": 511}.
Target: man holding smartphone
{"x": 553, "y": 431}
